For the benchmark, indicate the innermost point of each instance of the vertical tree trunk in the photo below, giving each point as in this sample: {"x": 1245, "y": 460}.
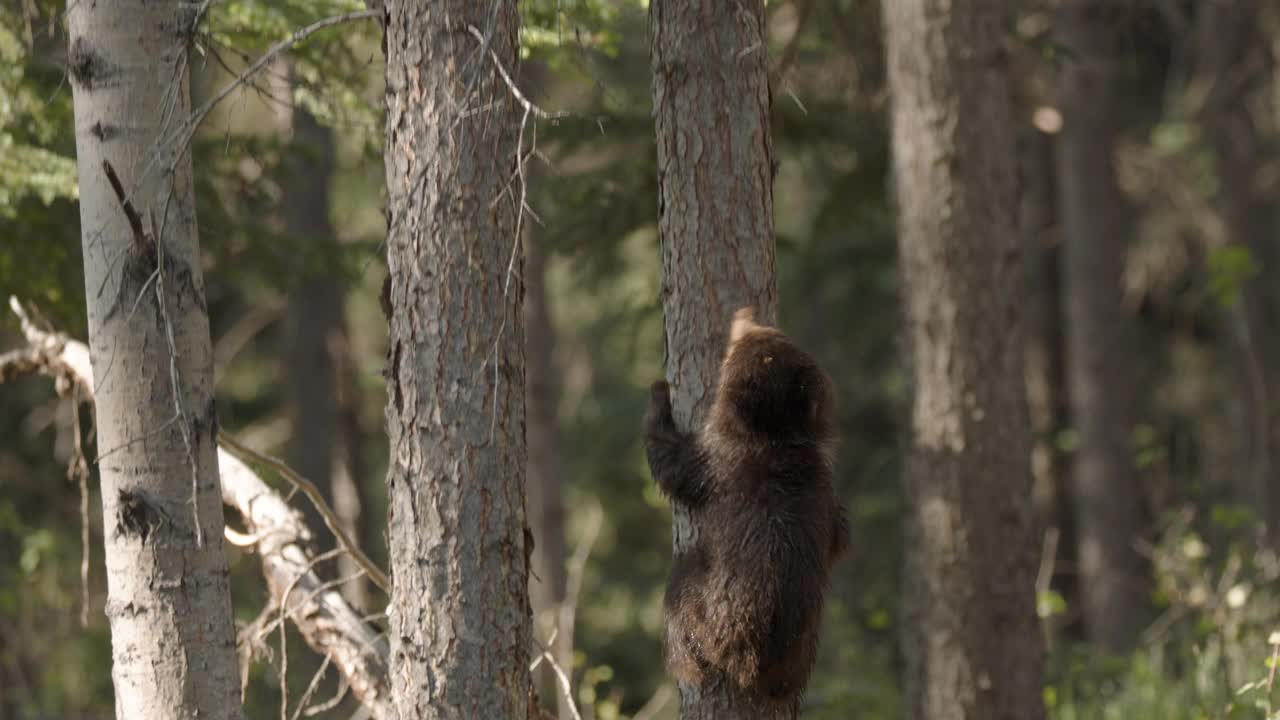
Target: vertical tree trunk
{"x": 460, "y": 627}
{"x": 1046, "y": 365}
{"x": 1234, "y": 65}
{"x": 545, "y": 474}
{"x": 715, "y": 175}
{"x": 168, "y": 597}
{"x": 971, "y": 638}
{"x": 318, "y": 360}
{"x": 1114, "y": 578}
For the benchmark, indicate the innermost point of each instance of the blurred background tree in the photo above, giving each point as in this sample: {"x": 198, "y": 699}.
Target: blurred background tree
{"x": 1191, "y": 107}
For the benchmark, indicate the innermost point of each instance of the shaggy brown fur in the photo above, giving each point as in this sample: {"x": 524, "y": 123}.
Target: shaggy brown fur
{"x": 747, "y": 599}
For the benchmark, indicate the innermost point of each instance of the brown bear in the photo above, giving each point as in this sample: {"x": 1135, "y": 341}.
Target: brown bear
{"x": 746, "y": 600}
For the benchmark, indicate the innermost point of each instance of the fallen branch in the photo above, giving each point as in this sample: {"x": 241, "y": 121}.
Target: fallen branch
{"x": 322, "y": 616}
{"x": 308, "y": 488}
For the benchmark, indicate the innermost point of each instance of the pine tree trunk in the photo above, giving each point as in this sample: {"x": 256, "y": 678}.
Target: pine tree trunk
{"x": 173, "y": 643}
{"x": 715, "y": 175}
{"x": 460, "y": 626}
{"x": 972, "y": 641}
{"x": 545, "y": 475}
{"x": 1114, "y": 577}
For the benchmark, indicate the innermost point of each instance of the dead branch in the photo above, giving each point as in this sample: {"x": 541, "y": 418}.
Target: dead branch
{"x": 312, "y": 492}
{"x": 322, "y": 616}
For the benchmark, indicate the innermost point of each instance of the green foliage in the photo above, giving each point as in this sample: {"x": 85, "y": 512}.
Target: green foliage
{"x": 595, "y": 200}
{"x": 28, "y": 167}
{"x": 1230, "y": 267}
{"x": 1208, "y": 656}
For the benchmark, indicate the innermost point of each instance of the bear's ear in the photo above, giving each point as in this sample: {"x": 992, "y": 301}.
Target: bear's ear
{"x": 744, "y": 321}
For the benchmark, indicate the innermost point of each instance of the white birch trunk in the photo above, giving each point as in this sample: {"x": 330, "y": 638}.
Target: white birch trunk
{"x": 168, "y": 601}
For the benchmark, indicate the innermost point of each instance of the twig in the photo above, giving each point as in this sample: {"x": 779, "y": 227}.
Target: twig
{"x": 130, "y": 212}
{"x": 659, "y": 700}
{"x": 284, "y": 636}
{"x": 529, "y": 109}
{"x": 573, "y": 586}
{"x": 1048, "y": 555}
{"x": 1271, "y": 671}
{"x": 528, "y": 106}
{"x": 788, "y": 56}
{"x": 343, "y": 688}
{"x": 309, "y": 489}
{"x": 175, "y": 382}
{"x": 311, "y": 688}
{"x": 187, "y": 130}
{"x": 565, "y": 689}
{"x": 78, "y": 468}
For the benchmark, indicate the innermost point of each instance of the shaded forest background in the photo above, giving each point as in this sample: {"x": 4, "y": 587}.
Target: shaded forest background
{"x": 290, "y": 185}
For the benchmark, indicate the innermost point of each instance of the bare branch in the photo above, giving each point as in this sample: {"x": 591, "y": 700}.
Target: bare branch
{"x": 804, "y": 8}
{"x": 659, "y": 700}
{"x": 525, "y": 103}
{"x": 323, "y": 617}
{"x": 130, "y": 212}
{"x": 313, "y": 494}
{"x": 187, "y": 130}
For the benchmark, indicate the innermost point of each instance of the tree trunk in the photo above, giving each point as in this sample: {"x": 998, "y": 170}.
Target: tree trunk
{"x": 972, "y": 643}
{"x": 1046, "y": 370}
{"x": 1234, "y": 66}
{"x": 168, "y": 598}
{"x": 318, "y": 360}
{"x": 460, "y": 625}
{"x": 1114, "y": 577}
{"x": 545, "y": 476}
{"x": 715, "y": 176}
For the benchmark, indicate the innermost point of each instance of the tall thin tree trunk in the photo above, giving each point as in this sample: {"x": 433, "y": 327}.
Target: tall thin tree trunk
{"x": 1234, "y": 65}
{"x": 460, "y": 625}
{"x": 715, "y": 175}
{"x": 972, "y": 642}
{"x": 1046, "y": 367}
{"x": 173, "y": 643}
{"x": 317, "y": 355}
{"x": 545, "y": 474}
{"x": 1114, "y": 577}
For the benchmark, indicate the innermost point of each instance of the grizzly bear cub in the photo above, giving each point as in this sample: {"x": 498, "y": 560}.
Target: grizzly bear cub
{"x": 746, "y": 600}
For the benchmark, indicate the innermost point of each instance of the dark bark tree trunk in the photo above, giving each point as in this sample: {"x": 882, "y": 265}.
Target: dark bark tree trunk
{"x": 972, "y": 641}
{"x": 319, "y": 374}
{"x": 1114, "y": 577}
{"x": 1234, "y": 64}
{"x": 459, "y": 616}
{"x": 1046, "y": 369}
{"x": 169, "y": 605}
{"x": 715, "y": 176}
{"x": 545, "y": 479}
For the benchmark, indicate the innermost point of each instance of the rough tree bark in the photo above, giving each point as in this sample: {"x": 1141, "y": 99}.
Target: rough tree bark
{"x": 545, "y": 475}
{"x": 460, "y": 622}
{"x": 971, "y": 637}
{"x": 1114, "y": 577}
{"x": 173, "y": 643}
{"x": 715, "y": 175}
